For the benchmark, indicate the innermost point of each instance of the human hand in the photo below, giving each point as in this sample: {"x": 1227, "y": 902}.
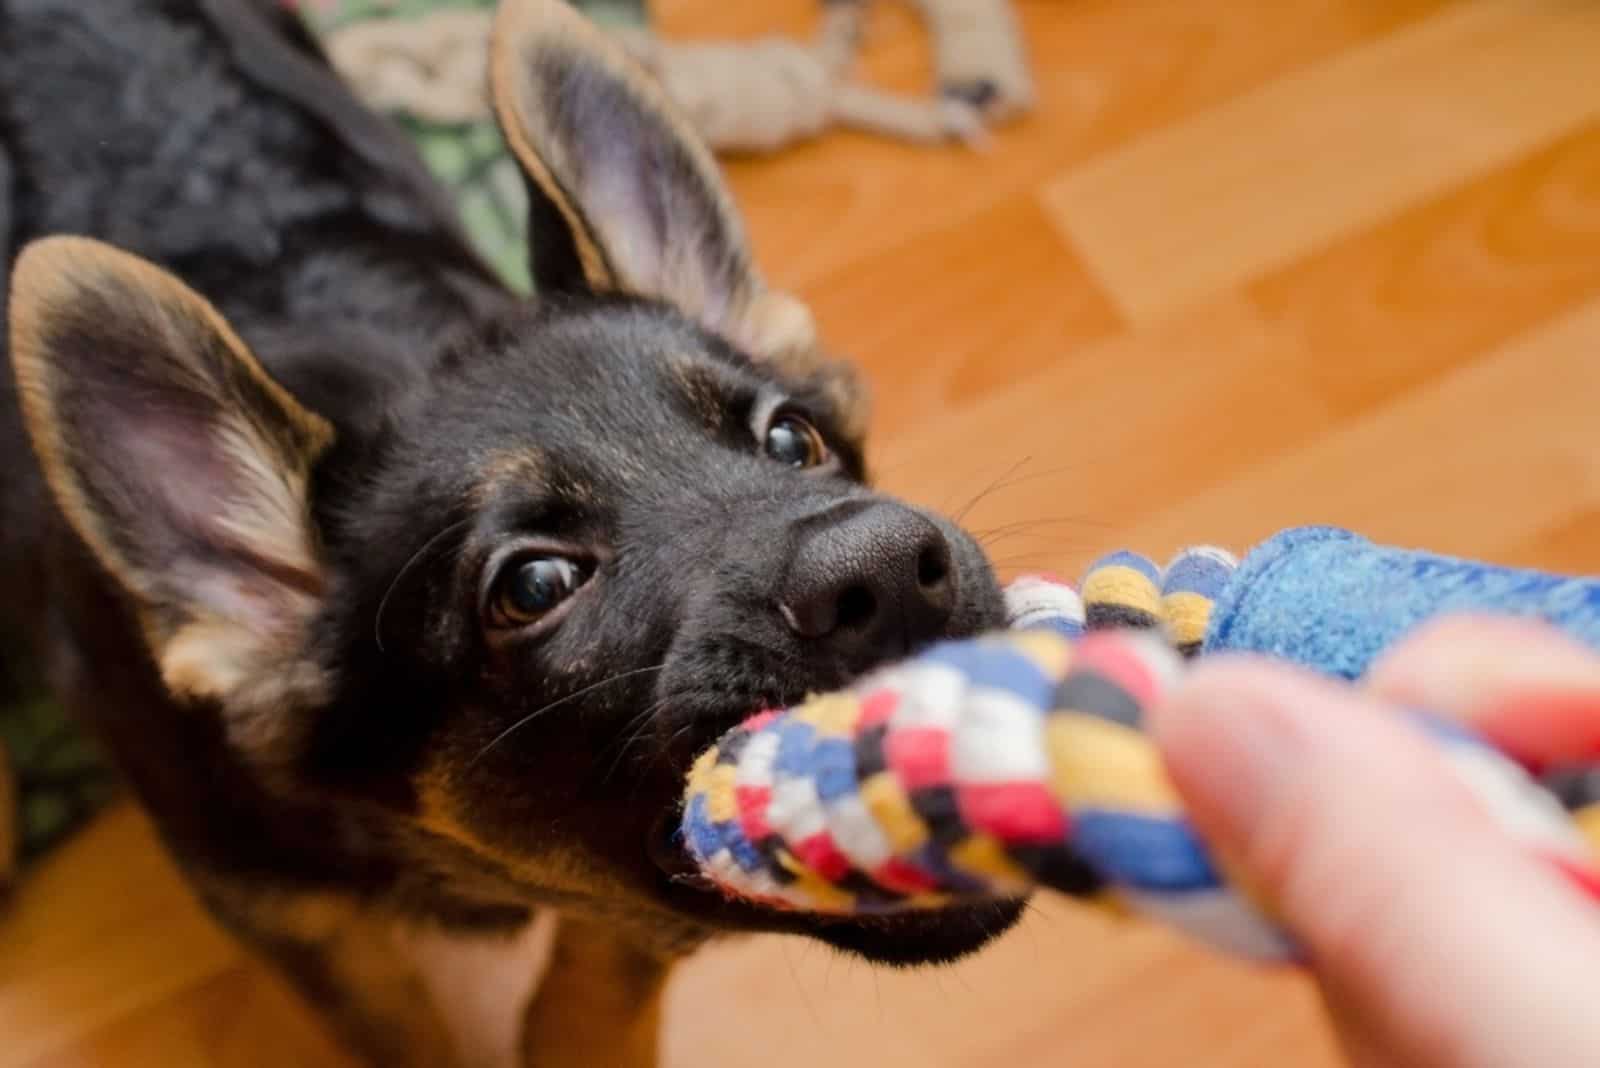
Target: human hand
{"x": 1436, "y": 939}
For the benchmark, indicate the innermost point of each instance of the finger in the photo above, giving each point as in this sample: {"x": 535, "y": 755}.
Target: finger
{"x": 1531, "y": 690}
{"x": 1428, "y": 928}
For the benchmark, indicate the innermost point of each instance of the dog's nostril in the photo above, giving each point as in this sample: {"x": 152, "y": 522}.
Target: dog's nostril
{"x": 857, "y": 606}
{"x": 933, "y": 566}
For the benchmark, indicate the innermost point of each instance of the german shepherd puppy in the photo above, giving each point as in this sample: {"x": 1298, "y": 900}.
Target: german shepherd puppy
{"x": 403, "y": 602}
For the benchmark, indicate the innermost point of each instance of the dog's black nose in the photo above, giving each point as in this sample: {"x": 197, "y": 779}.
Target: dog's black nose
{"x": 878, "y": 582}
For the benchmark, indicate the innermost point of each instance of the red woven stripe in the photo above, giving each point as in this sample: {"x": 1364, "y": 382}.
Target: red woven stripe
{"x": 760, "y": 719}
{"x": 920, "y": 757}
{"x": 1541, "y": 731}
{"x": 753, "y": 802}
{"x": 1111, "y": 656}
{"x": 1582, "y": 876}
{"x": 876, "y": 708}
{"x": 895, "y": 874}
{"x": 1014, "y": 812}
{"x": 823, "y": 857}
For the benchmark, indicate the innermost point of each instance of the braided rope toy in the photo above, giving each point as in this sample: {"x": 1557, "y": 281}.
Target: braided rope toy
{"x": 1017, "y": 761}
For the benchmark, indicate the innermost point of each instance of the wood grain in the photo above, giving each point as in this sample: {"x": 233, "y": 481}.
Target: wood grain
{"x": 1253, "y": 263}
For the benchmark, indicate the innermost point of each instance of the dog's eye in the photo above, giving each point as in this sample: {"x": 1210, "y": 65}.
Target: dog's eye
{"x": 531, "y": 588}
{"x": 793, "y": 441}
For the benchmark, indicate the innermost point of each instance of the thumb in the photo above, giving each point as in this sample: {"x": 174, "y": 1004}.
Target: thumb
{"x": 1436, "y": 939}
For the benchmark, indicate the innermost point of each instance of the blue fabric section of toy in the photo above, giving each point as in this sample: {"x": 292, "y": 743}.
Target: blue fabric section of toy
{"x": 1333, "y": 601}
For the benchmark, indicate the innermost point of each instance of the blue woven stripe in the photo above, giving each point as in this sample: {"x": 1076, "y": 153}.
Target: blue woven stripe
{"x": 996, "y": 666}
{"x": 794, "y": 748}
{"x": 1142, "y": 851}
{"x": 1067, "y": 628}
{"x": 1449, "y": 731}
{"x": 745, "y": 852}
{"x": 698, "y": 830}
{"x": 834, "y": 764}
{"x": 1197, "y": 573}
{"x": 1144, "y": 565}
{"x": 932, "y": 859}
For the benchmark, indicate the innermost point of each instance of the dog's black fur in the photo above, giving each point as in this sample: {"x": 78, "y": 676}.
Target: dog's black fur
{"x": 351, "y": 727}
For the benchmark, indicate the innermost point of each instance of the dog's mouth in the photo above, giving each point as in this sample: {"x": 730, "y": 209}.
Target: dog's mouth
{"x": 909, "y": 939}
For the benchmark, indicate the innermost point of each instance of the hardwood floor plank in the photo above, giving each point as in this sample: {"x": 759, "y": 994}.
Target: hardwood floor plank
{"x": 1252, "y": 185}
{"x": 1474, "y": 465}
{"x": 1390, "y": 308}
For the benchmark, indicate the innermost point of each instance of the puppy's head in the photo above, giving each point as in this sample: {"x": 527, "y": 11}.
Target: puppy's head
{"x": 493, "y": 626}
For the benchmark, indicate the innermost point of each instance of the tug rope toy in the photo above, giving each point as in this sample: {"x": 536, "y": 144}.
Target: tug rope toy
{"x": 1016, "y": 761}
{"x": 742, "y": 96}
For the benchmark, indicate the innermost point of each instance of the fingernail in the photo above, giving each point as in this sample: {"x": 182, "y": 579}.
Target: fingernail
{"x": 1233, "y": 736}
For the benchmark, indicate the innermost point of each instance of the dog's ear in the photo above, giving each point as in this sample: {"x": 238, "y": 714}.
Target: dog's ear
{"x": 177, "y": 460}
{"x": 625, "y": 196}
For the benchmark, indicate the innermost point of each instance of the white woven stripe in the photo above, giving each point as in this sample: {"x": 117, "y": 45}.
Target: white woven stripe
{"x": 795, "y": 811}
{"x": 1000, "y": 739}
{"x": 931, "y": 696}
{"x": 756, "y": 760}
{"x": 1520, "y": 805}
{"x": 856, "y": 832}
{"x": 1031, "y": 600}
{"x": 1219, "y": 918}
{"x": 1207, "y": 552}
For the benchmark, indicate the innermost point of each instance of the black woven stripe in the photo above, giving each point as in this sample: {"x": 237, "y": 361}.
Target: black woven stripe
{"x": 869, "y": 752}
{"x": 1189, "y": 650}
{"x": 868, "y": 892}
{"x": 1085, "y": 691}
{"x": 1119, "y": 617}
{"x": 1058, "y": 868}
{"x": 769, "y": 848}
{"x": 1574, "y": 787}
{"x": 939, "y": 809}
{"x": 732, "y": 746}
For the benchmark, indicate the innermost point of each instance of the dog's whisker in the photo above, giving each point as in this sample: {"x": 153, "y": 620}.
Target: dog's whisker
{"x": 411, "y": 561}
{"x": 999, "y": 481}
{"x": 582, "y": 692}
{"x": 631, "y": 732}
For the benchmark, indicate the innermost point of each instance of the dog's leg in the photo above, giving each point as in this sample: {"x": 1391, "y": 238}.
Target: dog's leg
{"x": 599, "y": 1004}
{"x": 401, "y": 994}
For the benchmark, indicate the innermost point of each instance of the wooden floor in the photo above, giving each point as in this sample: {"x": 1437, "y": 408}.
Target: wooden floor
{"x": 1254, "y": 263}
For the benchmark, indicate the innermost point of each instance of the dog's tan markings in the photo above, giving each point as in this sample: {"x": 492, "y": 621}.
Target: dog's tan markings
{"x": 706, "y": 272}
{"x": 558, "y": 871}
{"x": 69, "y": 296}
{"x": 601, "y": 1004}
{"x": 700, "y": 387}
{"x": 519, "y": 29}
{"x": 402, "y": 988}
{"x": 509, "y": 470}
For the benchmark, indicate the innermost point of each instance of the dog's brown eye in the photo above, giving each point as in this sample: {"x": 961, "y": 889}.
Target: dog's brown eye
{"x": 793, "y": 441}
{"x": 533, "y": 588}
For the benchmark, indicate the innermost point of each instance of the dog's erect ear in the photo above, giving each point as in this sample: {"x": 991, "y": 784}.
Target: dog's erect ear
{"x": 625, "y": 196}
{"x": 176, "y": 459}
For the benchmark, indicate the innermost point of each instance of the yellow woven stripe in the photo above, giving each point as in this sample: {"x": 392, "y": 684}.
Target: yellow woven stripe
{"x": 700, "y": 773}
{"x": 1097, "y": 763}
{"x": 822, "y": 894}
{"x": 1188, "y": 615}
{"x": 833, "y": 716}
{"x": 721, "y": 803}
{"x": 982, "y": 855}
{"x": 891, "y": 809}
{"x": 1050, "y": 652}
{"x": 1588, "y": 821}
{"x": 1121, "y": 585}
